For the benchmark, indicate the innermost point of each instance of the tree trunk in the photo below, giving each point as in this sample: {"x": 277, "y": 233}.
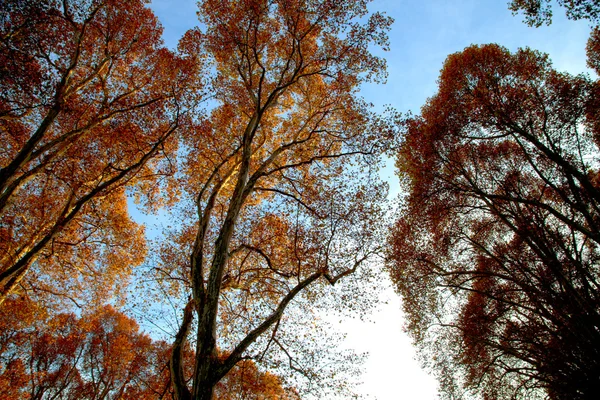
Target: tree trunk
{"x": 8, "y": 283}
{"x": 204, "y": 391}
{"x": 180, "y": 389}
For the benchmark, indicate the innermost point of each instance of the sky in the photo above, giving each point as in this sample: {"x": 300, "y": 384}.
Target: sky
{"x": 424, "y": 33}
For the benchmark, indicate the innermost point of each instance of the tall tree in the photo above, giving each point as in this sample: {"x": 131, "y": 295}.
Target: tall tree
{"x": 280, "y": 190}
{"x": 497, "y": 253}
{"x": 88, "y": 100}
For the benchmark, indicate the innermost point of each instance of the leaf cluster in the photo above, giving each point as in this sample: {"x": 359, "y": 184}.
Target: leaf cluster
{"x": 496, "y": 254}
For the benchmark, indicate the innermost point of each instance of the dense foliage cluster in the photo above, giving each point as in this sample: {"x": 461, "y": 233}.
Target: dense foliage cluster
{"x": 497, "y": 253}
{"x": 88, "y": 103}
{"x": 100, "y": 355}
{"x": 272, "y": 185}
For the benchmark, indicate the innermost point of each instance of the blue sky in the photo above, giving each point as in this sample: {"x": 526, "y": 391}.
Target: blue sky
{"x": 423, "y": 35}
{"x": 426, "y": 31}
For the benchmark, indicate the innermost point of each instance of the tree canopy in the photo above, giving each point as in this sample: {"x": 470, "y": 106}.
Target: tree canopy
{"x": 272, "y": 183}
{"x": 100, "y": 355}
{"x": 268, "y": 201}
{"x": 252, "y": 141}
{"x": 88, "y": 104}
{"x": 496, "y": 255}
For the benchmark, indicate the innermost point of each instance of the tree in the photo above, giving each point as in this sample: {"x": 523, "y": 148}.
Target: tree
{"x": 279, "y": 187}
{"x": 538, "y": 12}
{"x": 88, "y": 101}
{"x": 497, "y": 252}
{"x": 100, "y": 355}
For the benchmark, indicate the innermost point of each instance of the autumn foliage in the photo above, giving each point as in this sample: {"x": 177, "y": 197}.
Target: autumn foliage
{"x": 269, "y": 207}
{"x": 272, "y": 188}
{"x": 88, "y": 104}
{"x": 252, "y": 139}
{"x": 96, "y": 356}
{"x": 496, "y": 254}
{"x": 101, "y": 355}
